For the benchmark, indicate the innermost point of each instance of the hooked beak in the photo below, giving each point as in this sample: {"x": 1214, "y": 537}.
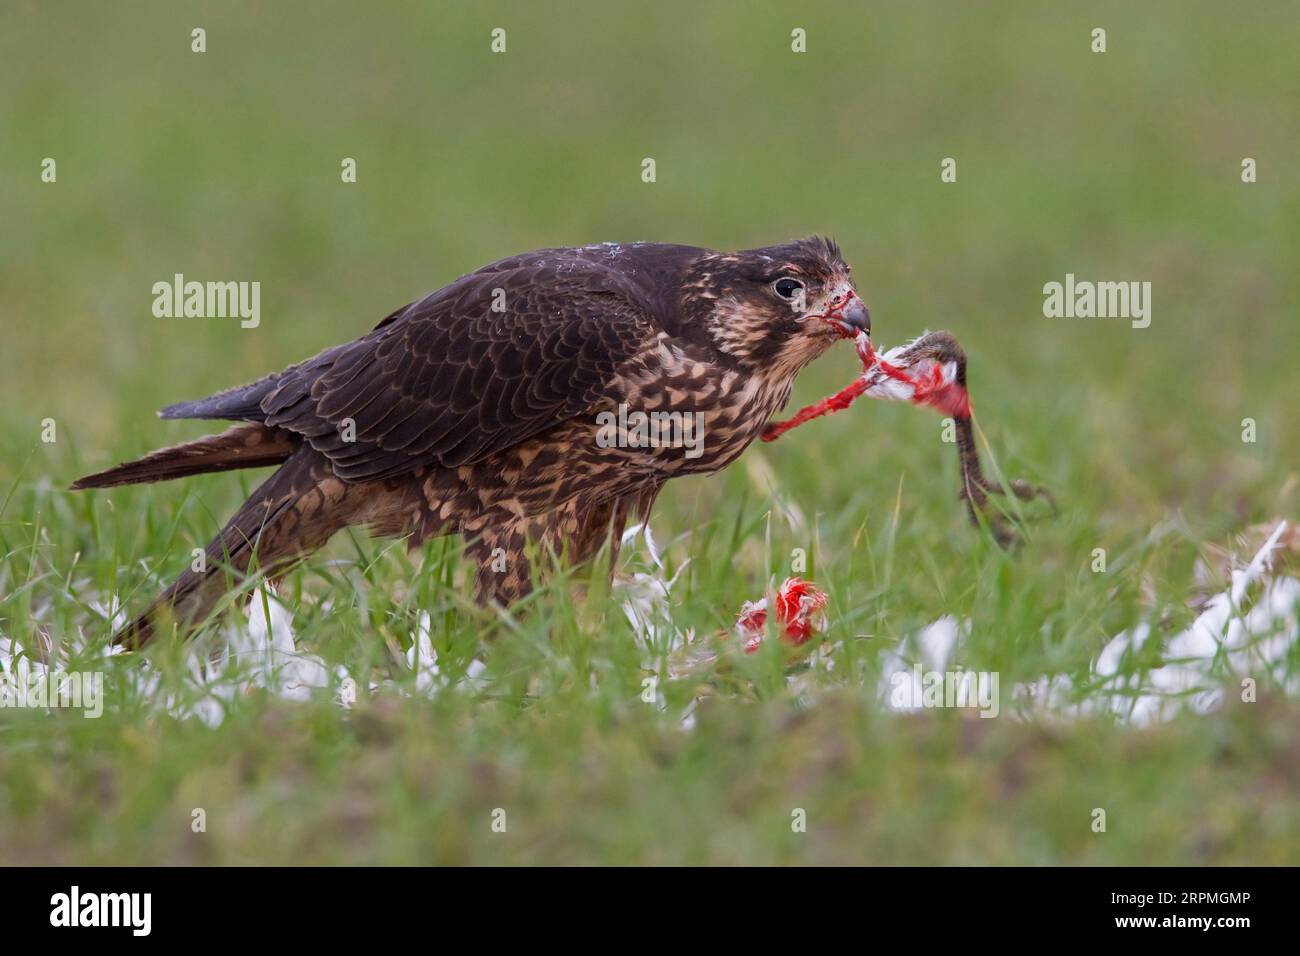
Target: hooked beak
{"x": 855, "y": 317}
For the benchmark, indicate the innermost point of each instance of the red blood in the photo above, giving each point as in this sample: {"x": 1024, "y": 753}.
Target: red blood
{"x": 834, "y": 315}
{"x": 928, "y": 389}
{"x": 837, "y": 402}
{"x": 950, "y": 399}
{"x": 797, "y": 603}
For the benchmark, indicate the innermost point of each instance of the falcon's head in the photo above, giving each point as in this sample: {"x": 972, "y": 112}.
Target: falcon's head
{"x": 778, "y": 307}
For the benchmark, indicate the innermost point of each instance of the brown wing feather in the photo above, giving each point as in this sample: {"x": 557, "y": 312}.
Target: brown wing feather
{"x": 448, "y": 381}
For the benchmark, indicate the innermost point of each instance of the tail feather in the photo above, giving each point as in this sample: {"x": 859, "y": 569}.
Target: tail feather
{"x": 282, "y": 522}
{"x": 243, "y": 446}
{"x": 242, "y": 403}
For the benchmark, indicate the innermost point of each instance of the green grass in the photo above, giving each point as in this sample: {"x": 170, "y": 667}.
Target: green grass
{"x": 226, "y": 165}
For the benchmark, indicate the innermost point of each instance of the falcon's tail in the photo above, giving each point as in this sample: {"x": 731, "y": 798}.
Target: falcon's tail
{"x": 290, "y": 515}
{"x": 244, "y": 446}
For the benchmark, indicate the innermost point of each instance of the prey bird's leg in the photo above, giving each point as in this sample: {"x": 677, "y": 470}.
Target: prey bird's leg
{"x": 975, "y": 488}
{"x": 942, "y": 348}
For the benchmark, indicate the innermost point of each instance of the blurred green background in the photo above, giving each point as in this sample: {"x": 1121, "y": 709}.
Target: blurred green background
{"x": 1117, "y": 166}
{"x": 1120, "y": 165}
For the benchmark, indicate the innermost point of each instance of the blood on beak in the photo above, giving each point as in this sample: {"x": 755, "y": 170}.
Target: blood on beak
{"x": 854, "y": 316}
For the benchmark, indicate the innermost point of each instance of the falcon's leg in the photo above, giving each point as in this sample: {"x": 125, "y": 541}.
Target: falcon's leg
{"x": 579, "y": 530}
{"x": 575, "y": 531}
{"x": 495, "y": 546}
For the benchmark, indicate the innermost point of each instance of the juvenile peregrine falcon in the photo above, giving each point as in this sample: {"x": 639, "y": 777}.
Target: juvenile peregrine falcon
{"x": 483, "y": 409}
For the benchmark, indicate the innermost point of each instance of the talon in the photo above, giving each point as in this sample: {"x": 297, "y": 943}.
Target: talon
{"x": 1029, "y": 492}
{"x": 1002, "y": 527}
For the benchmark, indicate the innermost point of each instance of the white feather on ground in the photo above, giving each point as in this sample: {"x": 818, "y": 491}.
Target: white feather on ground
{"x": 1234, "y": 637}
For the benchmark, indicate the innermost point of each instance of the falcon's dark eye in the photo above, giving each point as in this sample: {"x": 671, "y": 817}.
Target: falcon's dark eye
{"x": 787, "y": 288}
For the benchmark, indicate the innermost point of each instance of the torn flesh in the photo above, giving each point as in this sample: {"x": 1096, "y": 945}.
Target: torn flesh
{"x": 799, "y": 604}
{"x": 905, "y": 373}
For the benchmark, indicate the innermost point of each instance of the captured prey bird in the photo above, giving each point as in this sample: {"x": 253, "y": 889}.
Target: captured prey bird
{"x": 511, "y": 407}
{"x": 929, "y": 370}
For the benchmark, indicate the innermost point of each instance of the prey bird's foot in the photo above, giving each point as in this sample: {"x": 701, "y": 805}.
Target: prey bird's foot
{"x": 1026, "y": 491}
{"x": 1001, "y": 522}
{"x": 976, "y": 490}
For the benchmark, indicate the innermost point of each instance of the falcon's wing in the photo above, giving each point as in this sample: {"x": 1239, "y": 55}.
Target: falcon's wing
{"x": 449, "y": 381}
